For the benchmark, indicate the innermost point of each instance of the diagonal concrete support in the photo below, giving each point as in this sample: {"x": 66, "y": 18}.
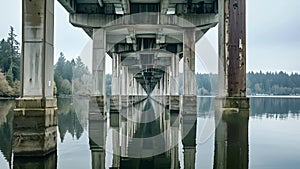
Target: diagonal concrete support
{"x": 35, "y": 117}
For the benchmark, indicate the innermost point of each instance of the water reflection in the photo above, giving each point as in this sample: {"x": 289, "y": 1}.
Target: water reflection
{"x": 6, "y": 129}
{"x": 231, "y": 139}
{"x": 40, "y": 162}
{"x": 280, "y": 108}
{"x": 72, "y": 117}
{"x": 145, "y": 133}
{"x": 168, "y": 130}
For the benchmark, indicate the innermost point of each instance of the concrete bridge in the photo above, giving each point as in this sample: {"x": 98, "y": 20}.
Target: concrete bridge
{"x": 146, "y": 41}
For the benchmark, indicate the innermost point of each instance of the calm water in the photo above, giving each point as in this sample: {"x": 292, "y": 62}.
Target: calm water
{"x": 273, "y": 132}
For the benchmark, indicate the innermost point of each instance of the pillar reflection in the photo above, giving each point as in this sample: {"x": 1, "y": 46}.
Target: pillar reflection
{"x": 231, "y": 139}
{"x": 41, "y": 162}
{"x": 145, "y": 133}
{"x": 188, "y": 133}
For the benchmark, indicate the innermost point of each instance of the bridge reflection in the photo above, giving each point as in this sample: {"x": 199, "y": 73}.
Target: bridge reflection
{"x": 148, "y": 132}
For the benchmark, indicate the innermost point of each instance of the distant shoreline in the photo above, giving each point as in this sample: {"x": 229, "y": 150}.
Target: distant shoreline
{"x": 7, "y": 98}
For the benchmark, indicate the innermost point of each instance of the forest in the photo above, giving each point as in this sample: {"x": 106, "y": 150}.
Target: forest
{"x": 258, "y": 83}
{"x": 72, "y": 77}
{"x": 10, "y": 65}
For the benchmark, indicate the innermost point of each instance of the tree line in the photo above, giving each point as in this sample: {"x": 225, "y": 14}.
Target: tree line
{"x": 10, "y": 65}
{"x": 71, "y": 77}
{"x": 258, "y": 83}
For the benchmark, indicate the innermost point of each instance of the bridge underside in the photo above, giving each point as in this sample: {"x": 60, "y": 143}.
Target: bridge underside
{"x": 146, "y": 41}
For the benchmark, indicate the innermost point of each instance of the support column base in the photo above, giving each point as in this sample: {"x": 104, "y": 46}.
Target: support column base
{"x": 97, "y": 108}
{"x": 35, "y": 127}
{"x": 189, "y": 105}
{"x": 233, "y": 104}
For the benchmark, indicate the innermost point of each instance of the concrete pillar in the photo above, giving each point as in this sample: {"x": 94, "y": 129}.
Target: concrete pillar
{"x": 116, "y": 64}
{"x": 232, "y": 48}
{"x": 174, "y": 78}
{"x": 231, "y": 140}
{"x": 124, "y": 82}
{"x": 99, "y": 52}
{"x": 189, "y": 62}
{"x": 35, "y": 117}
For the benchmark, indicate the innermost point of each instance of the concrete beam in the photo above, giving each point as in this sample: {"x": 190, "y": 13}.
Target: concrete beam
{"x": 109, "y": 20}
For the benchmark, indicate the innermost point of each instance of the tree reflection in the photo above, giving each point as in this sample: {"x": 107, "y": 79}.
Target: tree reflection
{"x": 6, "y": 129}
{"x": 72, "y": 117}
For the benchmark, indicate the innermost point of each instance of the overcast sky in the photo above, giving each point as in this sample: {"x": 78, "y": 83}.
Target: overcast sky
{"x": 273, "y": 36}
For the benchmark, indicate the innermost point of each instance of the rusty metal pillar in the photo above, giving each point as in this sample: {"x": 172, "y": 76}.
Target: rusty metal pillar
{"x": 232, "y": 51}
{"x": 232, "y": 45}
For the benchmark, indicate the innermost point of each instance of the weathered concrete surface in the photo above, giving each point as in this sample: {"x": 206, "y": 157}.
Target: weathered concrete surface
{"x": 35, "y": 102}
{"x": 232, "y": 103}
{"x": 106, "y": 20}
{"x": 99, "y": 52}
{"x": 37, "y": 48}
{"x": 35, "y": 116}
{"x": 189, "y": 87}
{"x": 35, "y": 132}
{"x": 232, "y": 48}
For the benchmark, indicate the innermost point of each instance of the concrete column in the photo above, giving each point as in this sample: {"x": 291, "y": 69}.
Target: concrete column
{"x": 189, "y": 62}
{"x": 99, "y": 52}
{"x": 174, "y": 78}
{"x": 231, "y": 139}
{"x": 168, "y": 81}
{"x": 35, "y": 117}
{"x": 124, "y": 85}
{"x": 37, "y": 48}
{"x": 115, "y": 89}
{"x": 232, "y": 48}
